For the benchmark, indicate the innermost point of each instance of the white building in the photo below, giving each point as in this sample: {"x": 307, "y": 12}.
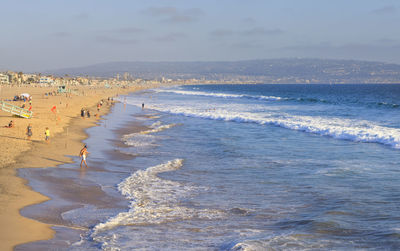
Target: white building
{"x": 25, "y": 77}
{"x": 46, "y": 80}
{"x": 4, "y": 78}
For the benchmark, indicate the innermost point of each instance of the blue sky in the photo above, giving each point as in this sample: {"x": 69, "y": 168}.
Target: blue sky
{"x": 49, "y": 34}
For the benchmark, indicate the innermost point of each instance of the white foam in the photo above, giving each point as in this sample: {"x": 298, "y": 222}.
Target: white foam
{"x": 158, "y": 128}
{"x": 144, "y": 139}
{"x": 139, "y": 140}
{"x": 155, "y": 200}
{"x": 220, "y": 95}
{"x": 340, "y": 128}
{"x": 155, "y": 124}
{"x": 288, "y": 242}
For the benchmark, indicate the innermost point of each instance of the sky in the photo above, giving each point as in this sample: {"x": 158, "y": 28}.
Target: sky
{"x": 43, "y": 35}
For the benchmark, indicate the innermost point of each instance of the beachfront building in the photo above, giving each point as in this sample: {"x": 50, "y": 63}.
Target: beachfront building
{"x": 29, "y": 78}
{"x": 46, "y": 81}
{"x": 83, "y": 81}
{"x": 4, "y": 79}
{"x": 12, "y": 77}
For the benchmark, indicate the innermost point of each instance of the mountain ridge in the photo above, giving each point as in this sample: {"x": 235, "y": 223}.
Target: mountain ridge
{"x": 307, "y": 70}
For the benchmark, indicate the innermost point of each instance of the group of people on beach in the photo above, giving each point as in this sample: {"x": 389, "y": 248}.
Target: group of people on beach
{"x": 30, "y": 105}
{"x": 85, "y": 113}
{"x": 29, "y": 131}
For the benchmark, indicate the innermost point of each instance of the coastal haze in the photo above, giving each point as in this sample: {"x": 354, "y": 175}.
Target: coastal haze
{"x": 284, "y": 71}
{"x": 48, "y": 35}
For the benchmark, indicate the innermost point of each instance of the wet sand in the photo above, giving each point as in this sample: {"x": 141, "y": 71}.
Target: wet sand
{"x": 69, "y": 189}
{"x": 67, "y": 132}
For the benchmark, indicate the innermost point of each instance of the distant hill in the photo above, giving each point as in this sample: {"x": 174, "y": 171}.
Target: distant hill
{"x": 266, "y": 71}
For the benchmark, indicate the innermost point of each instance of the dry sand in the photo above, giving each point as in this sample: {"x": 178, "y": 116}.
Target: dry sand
{"x": 16, "y": 151}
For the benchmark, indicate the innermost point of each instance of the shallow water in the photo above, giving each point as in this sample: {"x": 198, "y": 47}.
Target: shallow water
{"x": 243, "y": 167}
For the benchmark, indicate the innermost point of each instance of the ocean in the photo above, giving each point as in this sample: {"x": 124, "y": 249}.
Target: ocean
{"x": 235, "y": 167}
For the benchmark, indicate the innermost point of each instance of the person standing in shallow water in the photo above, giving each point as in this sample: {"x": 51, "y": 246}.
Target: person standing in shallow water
{"x": 83, "y": 154}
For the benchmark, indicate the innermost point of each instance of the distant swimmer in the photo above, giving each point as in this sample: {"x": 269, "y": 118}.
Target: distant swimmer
{"x": 142, "y": 105}
{"x": 83, "y": 153}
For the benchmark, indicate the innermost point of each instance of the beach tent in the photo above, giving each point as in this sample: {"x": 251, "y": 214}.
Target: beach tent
{"x": 26, "y": 95}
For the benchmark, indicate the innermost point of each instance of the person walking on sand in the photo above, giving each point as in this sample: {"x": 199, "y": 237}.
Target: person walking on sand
{"x": 47, "y": 135}
{"x": 83, "y": 153}
{"x": 83, "y": 113}
{"x": 29, "y": 131}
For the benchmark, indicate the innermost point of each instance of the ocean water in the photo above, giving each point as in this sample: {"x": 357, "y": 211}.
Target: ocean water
{"x": 246, "y": 167}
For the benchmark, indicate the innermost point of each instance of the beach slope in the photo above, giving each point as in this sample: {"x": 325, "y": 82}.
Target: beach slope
{"x": 17, "y": 151}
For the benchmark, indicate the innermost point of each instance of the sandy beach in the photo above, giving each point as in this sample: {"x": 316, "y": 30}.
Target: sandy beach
{"x": 216, "y": 167}
{"x": 16, "y": 151}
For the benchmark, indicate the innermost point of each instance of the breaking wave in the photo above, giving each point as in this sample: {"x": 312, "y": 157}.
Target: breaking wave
{"x": 276, "y": 98}
{"x": 144, "y": 138}
{"x": 340, "y": 128}
{"x": 223, "y": 95}
{"x": 153, "y": 201}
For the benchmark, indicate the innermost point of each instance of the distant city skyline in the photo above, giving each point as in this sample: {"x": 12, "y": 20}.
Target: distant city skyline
{"x": 43, "y": 35}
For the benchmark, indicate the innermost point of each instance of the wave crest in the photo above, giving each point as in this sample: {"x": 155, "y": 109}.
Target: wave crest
{"x": 340, "y": 128}
{"x": 155, "y": 200}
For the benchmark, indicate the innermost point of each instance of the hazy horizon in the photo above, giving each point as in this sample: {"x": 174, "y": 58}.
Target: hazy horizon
{"x": 45, "y": 35}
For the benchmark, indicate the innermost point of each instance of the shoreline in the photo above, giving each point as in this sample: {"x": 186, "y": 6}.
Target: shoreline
{"x": 205, "y": 197}
{"x": 75, "y": 192}
{"x": 16, "y": 194}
